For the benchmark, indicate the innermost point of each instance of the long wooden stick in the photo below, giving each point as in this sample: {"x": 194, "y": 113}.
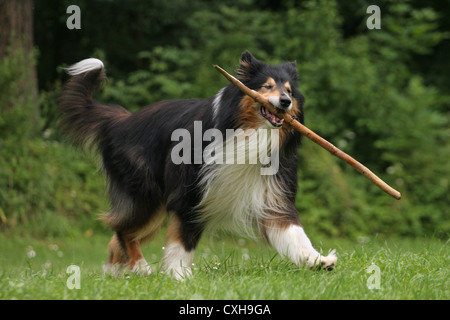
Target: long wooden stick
{"x": 313, "y": 136}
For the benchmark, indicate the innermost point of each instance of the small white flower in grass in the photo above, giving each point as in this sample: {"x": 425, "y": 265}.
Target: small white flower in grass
{"x": 18, "y": 286}
{"x": 53, "y": 247}
{"x": 30, "y": 252}
{"x": 245, "y": 255}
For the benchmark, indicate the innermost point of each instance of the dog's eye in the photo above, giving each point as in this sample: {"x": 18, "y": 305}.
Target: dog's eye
{"x": 289, "y": 91}
{"x": 268, "y": 87}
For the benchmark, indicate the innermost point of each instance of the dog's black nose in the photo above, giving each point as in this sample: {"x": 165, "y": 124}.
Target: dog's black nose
{"x": 285, "y": 101}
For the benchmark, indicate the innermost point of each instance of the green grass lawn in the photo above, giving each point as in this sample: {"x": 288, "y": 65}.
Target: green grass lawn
{"x": 228, "y": 269}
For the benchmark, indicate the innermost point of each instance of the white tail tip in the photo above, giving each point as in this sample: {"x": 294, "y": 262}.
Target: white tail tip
{"x": 85, "y": 65}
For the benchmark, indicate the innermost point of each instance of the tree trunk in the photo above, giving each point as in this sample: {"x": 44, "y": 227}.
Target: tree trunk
{"x": 16, "y": 37}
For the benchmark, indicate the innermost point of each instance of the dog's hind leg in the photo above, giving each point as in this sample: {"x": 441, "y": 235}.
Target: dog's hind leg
{"x": 118, "y": 256}
{"x": 125, "y": 254}
{"x": 125, "y": 247}
{"x": 134, "y": 240}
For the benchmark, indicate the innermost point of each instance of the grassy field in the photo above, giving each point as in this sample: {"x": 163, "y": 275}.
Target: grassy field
{"x": 228, "y": 269}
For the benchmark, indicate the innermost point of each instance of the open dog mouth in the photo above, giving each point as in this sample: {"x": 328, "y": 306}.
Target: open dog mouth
{"x": 273, "y": 119}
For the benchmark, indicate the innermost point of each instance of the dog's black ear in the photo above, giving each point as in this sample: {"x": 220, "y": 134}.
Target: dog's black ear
{"x": 248, "y": 66}
{"x": 291, "y": 69}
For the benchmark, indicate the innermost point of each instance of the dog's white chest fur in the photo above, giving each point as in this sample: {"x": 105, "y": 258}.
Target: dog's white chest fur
{"x": 237, "y": 197}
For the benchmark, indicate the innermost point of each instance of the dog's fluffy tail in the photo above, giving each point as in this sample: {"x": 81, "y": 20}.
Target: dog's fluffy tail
{"x": 82, "y": 118}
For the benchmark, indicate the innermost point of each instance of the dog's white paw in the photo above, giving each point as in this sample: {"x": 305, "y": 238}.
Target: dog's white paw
{"x": 115, "y": 270}
{"x": 323, "y": 262}
{"x": 142, "y": 268}
{"x": 179, "y": 273}
{"x": 329, "y": 262}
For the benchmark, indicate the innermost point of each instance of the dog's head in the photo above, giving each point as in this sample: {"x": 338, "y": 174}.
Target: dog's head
{"x": 276, "y": 83}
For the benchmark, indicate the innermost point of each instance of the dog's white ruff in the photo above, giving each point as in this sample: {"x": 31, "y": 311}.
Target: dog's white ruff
{"x": 237, "y": 197}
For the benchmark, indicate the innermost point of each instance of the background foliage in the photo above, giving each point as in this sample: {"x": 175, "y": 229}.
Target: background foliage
{"x": 379, "y": 95}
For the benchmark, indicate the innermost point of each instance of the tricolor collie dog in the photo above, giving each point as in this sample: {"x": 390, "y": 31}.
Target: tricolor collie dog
{"x": 177, "y": 159}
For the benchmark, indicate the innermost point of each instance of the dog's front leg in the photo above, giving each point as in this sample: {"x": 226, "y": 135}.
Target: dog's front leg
{"x": 290, "y": 240}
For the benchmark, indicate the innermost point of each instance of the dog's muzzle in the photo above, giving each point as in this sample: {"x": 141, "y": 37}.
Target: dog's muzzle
{"x": 284, "y": 103}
